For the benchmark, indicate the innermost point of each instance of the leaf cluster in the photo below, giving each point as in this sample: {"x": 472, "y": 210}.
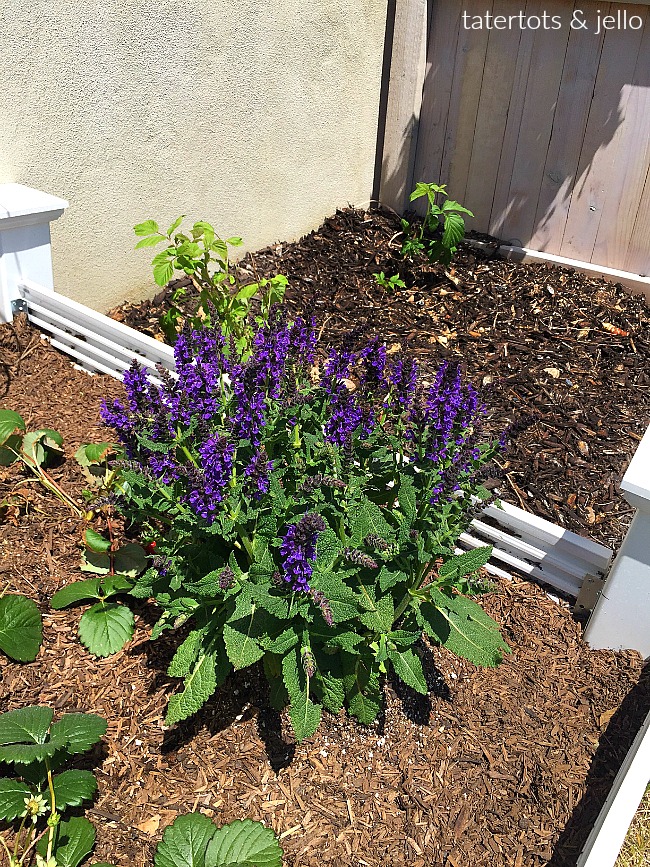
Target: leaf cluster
{"x": 193, "y": 840}
{"x": 204, "y": 257}
{"x": 39, "y": 792}
{"x": 441, "y": 230}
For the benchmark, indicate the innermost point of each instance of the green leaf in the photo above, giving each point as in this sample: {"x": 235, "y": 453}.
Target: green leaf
{"x": 368, "y": 518}
{"x": 106, "y": 627}
{"x": 93, "y": 453}
{"x": 10, "y": 450}
{"x": 78, "y": 591}
{"x": 242, "y": 648}
{"x": 464, "y": 564}
{"x": 112, "y": 585}
{"x": 151, "y": 241}
{"x": 77, "y": 732}
{"x": 329, "y": 679}
{"x": 95, "y": 541}
{"x": 21, "y": 630}
{"x": 463, "y": 626}
{"x": 361, "y": 688}
{"x": 39, "y": 445}
{"x": 381, "y": 619}
{"x": 211, "y": 669}
{"x": 186, "y": 654}
{"x": 25, "y": 754}
{"x": 244, "y": 843}
{"x": 344, "y": 602}
{"x": 454, "y": 230}
{"x": 328, "y": 548}
{"x": 407, "y": 499}
{"x": 27, "y": 725}
{"x": 184, "y": 842}
{"x": 304, "y": 714}
{"x": 450, "y": 205}
{"x": 389, "y": 577}
{"x": 12, "y": 798}
{"x": 130, "y": 560}
{"x": 407, "y": 667}
{"x": 73, "y": 841}
{"x": 163, "y": 271}
{"x": 146, "y": 228}
{"x": 10, "y": 422}
{"x": 72, "y": 788}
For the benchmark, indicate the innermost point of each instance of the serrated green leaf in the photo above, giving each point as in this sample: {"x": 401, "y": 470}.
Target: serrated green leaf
{"x": 454, "y": 230}
{"x": 361, "y": 688}
{"x": 146, "y": 228}
{"x": 281, "y": 643}
{"x": 112, "y": 585}
{"x": 21, "y": 629}
{"x": 25, "y": 754}
{"x": 407, "y": 499}
{"x": 328, "y": 548}
{"x": 175, "y": 224}
{"x": 245, "y": 843}
{"x": 10, "y": 422}
{"x": 163, "y": 272}
{"x": 459, "y": 566}
{"x": 329, "y": 679}
{"x": 407, "y": 667}
{"x": 389, "y": 577}
{"x": 211, "y": 669}
{"x": 72, "y": 788}
{"x": 241, "y": 645}
{"x": 10, "y": 450}
{"x": 78, "y": 591}
{"x": 77, "y": 732}
{"x": 343, "y": 641}
{"x": 94, "y": 453}
{"x": 186, "y": 654}
{"x": 403, "y": 638}
{"x": 12, "y": 798}
{"x": 27, "y": 725}
{"x": 368, "y": 518}
{"x": 382, "y": 617}
{"x": 450, "y": 205}
{"x": 95, "y": 541}
{"x": 106, "y": 627}
{"x": 151, "y": 241}
{"x": 304, "y": 714}
{"x": 344, "y": 602}
{"x": 464, "y": 628}
{"x": 184, "y": 842}
{"x": 73, "y": 841}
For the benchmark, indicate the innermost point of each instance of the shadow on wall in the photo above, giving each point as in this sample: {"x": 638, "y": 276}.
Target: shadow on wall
{"x": 544, "y": 134}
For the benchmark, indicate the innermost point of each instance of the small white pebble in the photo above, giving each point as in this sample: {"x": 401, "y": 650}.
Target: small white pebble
{"x": 138, "y": 743}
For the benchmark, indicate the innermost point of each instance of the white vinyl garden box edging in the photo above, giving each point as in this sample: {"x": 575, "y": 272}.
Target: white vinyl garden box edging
{"x": 521, "y": 542}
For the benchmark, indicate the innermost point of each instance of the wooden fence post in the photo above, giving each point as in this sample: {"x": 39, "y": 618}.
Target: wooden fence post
{"x": 25, "y": 249}
{"x": 407, "y": 70}
{"x": 621, "y": 617}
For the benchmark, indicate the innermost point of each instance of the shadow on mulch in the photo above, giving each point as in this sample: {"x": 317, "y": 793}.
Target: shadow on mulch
{"x": 606, "y": 763}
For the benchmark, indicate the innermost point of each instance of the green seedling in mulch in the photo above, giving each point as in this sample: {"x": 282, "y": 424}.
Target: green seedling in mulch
{"x": 193, "y": 840}
{"x": 107, "y": 625}
{"x": 37, "y": 795}
{"x": 391, "y": 284}
{"x": 203, "y": 256}
{"x": 441, "y": 230}
{"x": 34, "y": 449}
{"x": 21, "y": 629}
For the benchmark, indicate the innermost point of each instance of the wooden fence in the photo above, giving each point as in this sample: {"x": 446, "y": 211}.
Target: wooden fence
{"x": 543, "y": 133}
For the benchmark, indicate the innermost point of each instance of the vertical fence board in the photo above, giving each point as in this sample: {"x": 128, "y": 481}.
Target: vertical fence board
{"x": 625, "y": 184}
{"x": 498, "y": 78}
{"x": 569, "y": 125}
{"x": 540, "y": 102}
{"x": 600, "y": 146}
{"x": 498, "y": 219}
{"x": 637, "y": 258}
{"x": 441, "y": 61}
{"x": 404, "y": 101}
{"x": 461, "y": 122}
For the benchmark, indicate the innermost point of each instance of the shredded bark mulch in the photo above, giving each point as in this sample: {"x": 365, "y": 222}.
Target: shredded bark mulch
{"x": 505, "y": 766}
{"x": 573, "y": 350}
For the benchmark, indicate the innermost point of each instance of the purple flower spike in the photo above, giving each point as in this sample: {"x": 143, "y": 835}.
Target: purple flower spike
{"x": 298, "y": 551}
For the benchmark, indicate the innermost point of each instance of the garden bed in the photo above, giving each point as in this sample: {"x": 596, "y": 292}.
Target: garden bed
{"x": 572, "y": 349}
{"x": 506, "y": 766}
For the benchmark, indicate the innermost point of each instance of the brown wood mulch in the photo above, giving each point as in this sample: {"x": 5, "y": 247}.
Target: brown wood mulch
{"x": 573, "y": 350}
{"x": 507, "y": 766}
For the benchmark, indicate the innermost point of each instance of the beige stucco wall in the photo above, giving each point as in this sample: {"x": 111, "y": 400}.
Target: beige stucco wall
{"x": 258, "y": 116}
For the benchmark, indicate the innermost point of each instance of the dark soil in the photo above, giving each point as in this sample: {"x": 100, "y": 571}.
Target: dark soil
{"x": 506, "y": 766}
{"x": 573, "y": 350}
